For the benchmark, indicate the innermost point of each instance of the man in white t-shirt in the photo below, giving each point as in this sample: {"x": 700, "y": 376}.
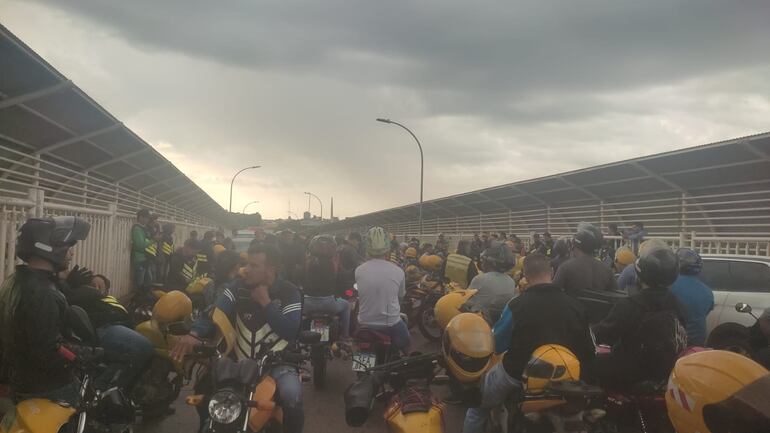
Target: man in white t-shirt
{"x": 380, "y": 286}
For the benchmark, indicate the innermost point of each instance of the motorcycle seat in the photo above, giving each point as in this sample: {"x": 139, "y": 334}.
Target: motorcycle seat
{"x": 372, "y": 336}
{"x": 319, "y": 315}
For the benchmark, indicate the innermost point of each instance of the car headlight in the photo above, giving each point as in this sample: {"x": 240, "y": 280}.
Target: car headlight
{"x": 225, "y": 407}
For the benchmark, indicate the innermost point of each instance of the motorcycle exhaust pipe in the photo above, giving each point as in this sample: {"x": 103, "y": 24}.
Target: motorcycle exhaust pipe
{"x": 359, "y": 399}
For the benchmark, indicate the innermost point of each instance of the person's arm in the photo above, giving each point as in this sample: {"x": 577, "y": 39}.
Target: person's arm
{"x": 402, "y": 286}
{"x": 612, "y": 283}
{"x": 503, "y": 331}
{"x": 139, "y": 238}
{"x": 475, "y": 282}
{"x": 285, "y": 321}
{"x": 41, "y": 324}
{"x": 560, "y": 278}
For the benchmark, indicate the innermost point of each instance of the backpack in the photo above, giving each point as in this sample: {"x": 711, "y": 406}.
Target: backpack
{"x": 661, "y": 338}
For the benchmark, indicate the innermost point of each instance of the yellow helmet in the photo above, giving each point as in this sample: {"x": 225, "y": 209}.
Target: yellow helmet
{"x": 242, "y": 272}
{"x": 218, "y": 248}
{"x": 411, "y": 253}
{"x": 430, "y": 262}
{"x": 550, "y": 362}
{"x": 448, "y": 306}
{"x": 624, "y": 256}
{"x": 468, "y": 346}
{"x": 174, "y": 306}
{"x": 244, "y": 256}
{"x": 718, "y": 391}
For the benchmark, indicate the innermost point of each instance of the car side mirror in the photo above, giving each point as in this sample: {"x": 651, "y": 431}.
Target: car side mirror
{"x": 79, "y": 324}
{"x": 178, "y": 328}
{"x": 743, "y": 307}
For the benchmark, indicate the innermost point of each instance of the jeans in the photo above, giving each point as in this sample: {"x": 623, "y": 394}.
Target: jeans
{"x": 497, "y": 385}
{"x": 331, "y": 305}
{"x": 142, "y": 275}
{"x": 398, "y": 333}
{"x": 126, "y": 353}
{"x": 290, "y": 397}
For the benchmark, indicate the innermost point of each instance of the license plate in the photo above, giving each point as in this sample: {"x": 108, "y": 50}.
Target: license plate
{"x": 363, "y": 361}
{"x": 320, "y": 327}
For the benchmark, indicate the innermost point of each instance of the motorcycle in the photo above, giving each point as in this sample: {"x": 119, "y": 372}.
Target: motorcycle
{"x": 244, "y": 396}
{"x": 328, "y": 327}
{"x": 371, "y": 348}
{"x": 746, "y": 340}
{"x": 405, "y": 385}
{"x": 110, "y": 411}
{"x": 140, "y": 306}
{"x": 553, "y": 398}
{"x": 426, "y": 317}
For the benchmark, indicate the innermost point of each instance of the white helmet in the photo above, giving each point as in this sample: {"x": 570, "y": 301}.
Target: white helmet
{"x": 377, "y": 242}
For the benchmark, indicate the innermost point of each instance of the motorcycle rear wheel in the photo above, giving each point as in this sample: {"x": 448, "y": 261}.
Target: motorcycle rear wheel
{"x": 426, "y": 320}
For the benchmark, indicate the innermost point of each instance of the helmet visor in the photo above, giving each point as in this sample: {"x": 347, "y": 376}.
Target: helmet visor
{"x": 746, "y": 411}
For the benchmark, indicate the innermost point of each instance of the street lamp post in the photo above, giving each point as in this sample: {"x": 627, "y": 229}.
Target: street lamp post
{"x": 422, "y": 164}
{"x": 230, "y": 208}
{"x": 248, "y": 204}
{"x": 319, "y": 202}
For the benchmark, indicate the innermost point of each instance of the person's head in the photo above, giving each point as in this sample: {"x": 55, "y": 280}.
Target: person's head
{"x": 587, "y": 239}
{"x": 354, "y": 238}
{"x": 613, "y": 229}
{"x": 427, "y": 248}
{"x": 485, "y": 235}
{"x": 143, "y": 216}
{"x": 226, "y": 265}
{"x": 339, "y": 239}
{"x": 638, "y": 226}
{"x": 476, "y": 236}
{"x": 47, "y": 243}
{"x": 219, "y": 236}
{"x": 168, "y": 229}
{"x": 562, "y": 247}
{"x": 764, "y": 322}
{"x": 377, "y": 242}
{"x": 657, "y": 265}
{"x": 441, "y": 235}
{"x": 322, "y": 246}
{"x": 208, "y": 236}
{"x": 191, "y": 247}
{"x": 503, "y": 235}
{"x": 263, "y": 265}
{"x": 194, "y": 235}
{"x": 537, "y": 269}
{"x": 690, "y": 262}
{"x": 547, "y": 237}
{"x": 498, "y": 258}
{"x": 535, "y": 237}
{"x": 101, "y": 283}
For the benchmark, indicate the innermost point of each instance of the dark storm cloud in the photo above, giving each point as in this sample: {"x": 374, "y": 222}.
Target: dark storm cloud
{"x": 485, "y": 58}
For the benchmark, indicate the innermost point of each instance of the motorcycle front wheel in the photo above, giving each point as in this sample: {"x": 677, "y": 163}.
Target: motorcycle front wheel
{"x": 426, "y": 320}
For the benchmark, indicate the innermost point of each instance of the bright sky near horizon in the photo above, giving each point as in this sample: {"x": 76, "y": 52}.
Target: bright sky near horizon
{"x": 496, "y": 91}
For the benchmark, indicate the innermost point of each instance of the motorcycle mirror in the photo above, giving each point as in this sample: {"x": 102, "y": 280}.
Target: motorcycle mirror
{"x": 178, "y": 328}
{"x": 79, "y": 324}
{"x": 743, "y": 307}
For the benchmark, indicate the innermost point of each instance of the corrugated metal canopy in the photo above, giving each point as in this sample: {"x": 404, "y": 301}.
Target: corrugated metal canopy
{"x": 43, "y": 113}
{"x": 738, "y": 165}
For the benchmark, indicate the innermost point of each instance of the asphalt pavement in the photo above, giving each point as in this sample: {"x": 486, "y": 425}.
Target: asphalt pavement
{"x": 324, "y": 410}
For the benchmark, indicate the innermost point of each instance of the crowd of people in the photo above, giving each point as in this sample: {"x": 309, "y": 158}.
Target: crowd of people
{"x": 527, "y": 291}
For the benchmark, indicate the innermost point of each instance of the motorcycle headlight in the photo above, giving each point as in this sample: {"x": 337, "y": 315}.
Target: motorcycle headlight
{"x": 225, "y": 407}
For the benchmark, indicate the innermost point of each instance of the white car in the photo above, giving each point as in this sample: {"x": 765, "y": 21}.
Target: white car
{"x": 736, "y": 279}
{"x": 242, "y": 240}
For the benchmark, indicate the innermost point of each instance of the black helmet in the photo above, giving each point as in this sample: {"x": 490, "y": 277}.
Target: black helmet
{"x": 588, "y": 238}
{"x": 322, "y": 246}
{"x": 498, "y": 257}
{"x": 690, "y": 262}
{"x": 658, "y": 265}
{"x": 50, "y": 238}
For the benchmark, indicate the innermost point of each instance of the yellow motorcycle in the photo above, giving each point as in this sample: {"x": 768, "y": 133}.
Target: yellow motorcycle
{"x": 405, "y": 383}
{"x": 110, "y": 411}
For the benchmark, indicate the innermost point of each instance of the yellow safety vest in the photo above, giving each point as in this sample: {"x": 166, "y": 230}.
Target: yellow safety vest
{"x": 168, "y": 248}
{"x": 114, "y": 303}
{"x": 202, "y": 258}
{"x": 188, "y": 271}
{"x": 152, "y": 249}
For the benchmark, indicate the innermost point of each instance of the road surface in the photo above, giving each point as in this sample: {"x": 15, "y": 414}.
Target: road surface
{"x": 324, "y": 410}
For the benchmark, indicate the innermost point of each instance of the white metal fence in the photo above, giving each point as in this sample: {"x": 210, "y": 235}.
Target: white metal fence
{"x": 733, "y": 223}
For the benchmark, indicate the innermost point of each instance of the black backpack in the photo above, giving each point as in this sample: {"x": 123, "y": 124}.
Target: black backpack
{"x": 661, "y": 338}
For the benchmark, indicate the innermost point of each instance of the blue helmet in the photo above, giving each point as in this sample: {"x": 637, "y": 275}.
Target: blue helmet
{"x": 690, "y": 262}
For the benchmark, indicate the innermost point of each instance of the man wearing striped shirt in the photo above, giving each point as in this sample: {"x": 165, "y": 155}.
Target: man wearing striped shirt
{"x": 265, "y": 311}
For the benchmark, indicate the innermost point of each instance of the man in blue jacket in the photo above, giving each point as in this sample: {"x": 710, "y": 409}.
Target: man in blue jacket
{"x": 266, "y": 312}
{"x": 696, "y": 297}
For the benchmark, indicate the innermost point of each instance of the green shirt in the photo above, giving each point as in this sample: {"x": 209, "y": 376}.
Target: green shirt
{"x": 139, "y": 242}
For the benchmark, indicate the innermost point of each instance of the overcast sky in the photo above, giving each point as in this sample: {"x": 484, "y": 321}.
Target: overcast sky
{"x": 496, "y": 91}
